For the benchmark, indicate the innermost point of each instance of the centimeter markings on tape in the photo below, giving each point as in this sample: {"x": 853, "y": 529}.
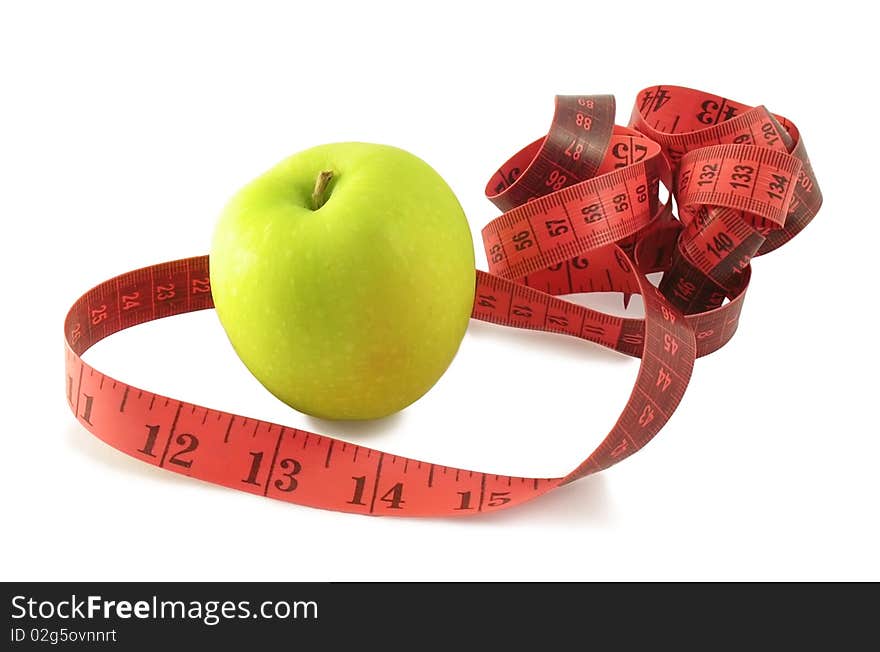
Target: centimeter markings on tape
{"x": 775, "y": 206}
{"x": 582, "y": 215}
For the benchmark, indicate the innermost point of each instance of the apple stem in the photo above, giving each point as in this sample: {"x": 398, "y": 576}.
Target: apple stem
{"x": 321, "y": 183}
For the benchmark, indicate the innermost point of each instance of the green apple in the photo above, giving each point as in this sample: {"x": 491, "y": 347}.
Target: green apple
{"x": 344, "y": 278}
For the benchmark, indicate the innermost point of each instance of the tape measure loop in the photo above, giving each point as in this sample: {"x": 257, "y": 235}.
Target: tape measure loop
{"x": 572, "y": 151}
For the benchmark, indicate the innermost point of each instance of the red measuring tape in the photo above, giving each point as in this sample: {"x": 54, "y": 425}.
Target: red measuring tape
{"x": 582, "y": 214}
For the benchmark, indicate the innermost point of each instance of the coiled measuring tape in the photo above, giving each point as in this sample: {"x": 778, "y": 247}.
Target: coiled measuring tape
{"x": 581, "y": 214}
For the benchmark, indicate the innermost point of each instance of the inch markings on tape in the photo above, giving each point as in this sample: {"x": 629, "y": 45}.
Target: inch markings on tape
{"x": 581, "y": 214}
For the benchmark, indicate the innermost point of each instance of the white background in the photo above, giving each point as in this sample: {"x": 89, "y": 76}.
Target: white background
{"x": 124, "y": 130}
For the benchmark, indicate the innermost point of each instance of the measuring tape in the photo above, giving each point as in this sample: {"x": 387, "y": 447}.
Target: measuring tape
{"x": 581, "y": 214}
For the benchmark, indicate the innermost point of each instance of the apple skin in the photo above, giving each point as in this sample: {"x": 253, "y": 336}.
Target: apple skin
{"x": 353, "y": 310}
